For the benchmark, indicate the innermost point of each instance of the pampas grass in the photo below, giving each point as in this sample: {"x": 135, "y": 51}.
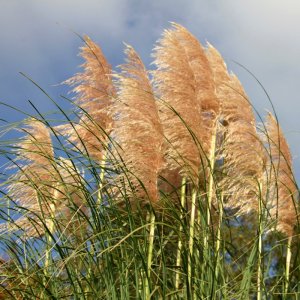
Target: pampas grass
{"x": 189, "y": 108}
{"x": 283, "y": 182}
{"x": 283, "y": 187}
{"x": 158, "y": 185}
{"x": 33, "y": 182}
{"x": 95, "y": 92}
{"x": 135, "y": 113}
{"x": 242, "y": 150}
{"x": 137, "y": 129}
{"x": 42, "y": 183}
{"x": 180, "y": 112}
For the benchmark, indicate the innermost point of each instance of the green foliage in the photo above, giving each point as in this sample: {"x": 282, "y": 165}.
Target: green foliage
{"x": 101, "y": 251}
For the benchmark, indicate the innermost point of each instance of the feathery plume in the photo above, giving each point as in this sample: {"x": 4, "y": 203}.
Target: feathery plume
{"x": 184, "y": 83}
{"x": 234, "y": 103}
{"x": 220, "y": 75}
{"x": 95, "y": 92}
{"x": 205, "y": 85}
{"x": 137, "y": 127}
{"x": 34, "y": 160}
{"x": 242, "y": 152}
{"x": 41, "y": 184}
{"x": 285, "y": 191}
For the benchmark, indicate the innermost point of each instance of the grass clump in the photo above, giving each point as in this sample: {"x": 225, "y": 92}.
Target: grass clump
{"x": 159, "y": 185}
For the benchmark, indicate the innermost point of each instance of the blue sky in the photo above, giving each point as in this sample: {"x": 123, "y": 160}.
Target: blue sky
{"x": 264, "y": 35}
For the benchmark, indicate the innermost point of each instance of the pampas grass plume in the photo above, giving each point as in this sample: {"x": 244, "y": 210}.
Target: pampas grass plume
{"x": 183, "y": 82}
{"x": 42, "y": 183}
{"x": 285, "y": 191}
{"x": 95, "y": 93}
{"x": 242, "y": 151}
{"x": 137, "y": 127}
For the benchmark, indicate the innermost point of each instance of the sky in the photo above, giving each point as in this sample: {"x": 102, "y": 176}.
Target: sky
{"x": 38, "y": 38}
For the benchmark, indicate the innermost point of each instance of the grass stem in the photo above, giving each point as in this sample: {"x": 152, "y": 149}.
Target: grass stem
{"x": 150, "y": 255}
{"x": 191, "y": 238}
{"x": 101, "y": 177}
{"x": 51, "y": 228}
{"x": 288, "y": 264}
{"x": 218, "y": 242}
{"x": 259, "y": 259}
{"x": 210, "y": 183}
{"x": 179, "y": 246}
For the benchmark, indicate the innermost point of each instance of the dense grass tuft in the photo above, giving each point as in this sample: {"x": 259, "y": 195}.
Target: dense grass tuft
{"x": 162, "y": 186}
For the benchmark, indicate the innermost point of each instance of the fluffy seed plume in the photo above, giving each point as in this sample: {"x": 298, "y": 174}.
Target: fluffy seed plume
{"x": 184, "y": 83}
{"x": 41, "y": 185}
{"x": 137, "y": 127}
{"x": 34, "y": 160}
{"x": 233, "y": 100}
{"x": 36, "y": 146}
{"x": 284, "y": 189}
{"x": 205, "y": 85}
{"x": 220, "y": 76}
{"x": 95, "y": 92}
{"x": 242, "y": 152}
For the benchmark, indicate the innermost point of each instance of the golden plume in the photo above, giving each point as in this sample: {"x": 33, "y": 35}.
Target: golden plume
{"x": 242, "y": 152}
{"x": 205, "y": 85}
{"x": 34, "y": 160}
{"x": 184, "y": 83}
{"x": 284, "y": 189}
{"x": 220, "y": 75}
{"x": 234, "y": 102}
{"x": 95, "y": 92}
{"x": 42, "y": 185}
{"x": 137, "y": 127}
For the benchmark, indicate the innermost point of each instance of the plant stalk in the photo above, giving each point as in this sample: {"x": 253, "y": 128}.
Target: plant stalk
{"x": 259, "y": 271}
{"x": 191, "y": 238}
{"x": 218, "y": 243}
{"x": 179, "y": 247}
{"x": 288, "y": 264}
{"x": 210, "y": 183}
{"x": 49, "y": 238}
{"x": 48, "y": 256}
{"x": 101, "y": 177}
{"x": 150, "y": 254}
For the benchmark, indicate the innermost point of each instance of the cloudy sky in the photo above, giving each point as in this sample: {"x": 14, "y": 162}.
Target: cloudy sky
{"x": 37, "y": 38}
